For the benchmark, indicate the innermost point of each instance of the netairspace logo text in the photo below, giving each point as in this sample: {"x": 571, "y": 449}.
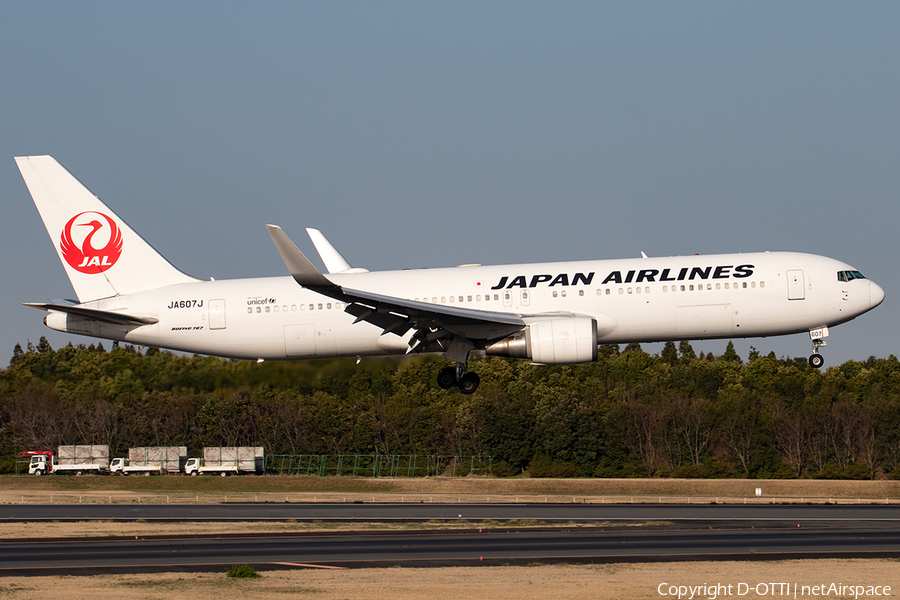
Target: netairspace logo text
{"x": 775, "y": 590}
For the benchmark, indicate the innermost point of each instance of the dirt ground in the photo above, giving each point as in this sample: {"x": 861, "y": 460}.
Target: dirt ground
{"x": 293, "y": 488}
{"x": 561, "y": 582}
{"x": 86, "y": 529}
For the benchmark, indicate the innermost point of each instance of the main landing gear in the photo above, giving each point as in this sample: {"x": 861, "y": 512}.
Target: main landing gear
{"x": 457, "y": 376}
{"x": 818, "y": 340}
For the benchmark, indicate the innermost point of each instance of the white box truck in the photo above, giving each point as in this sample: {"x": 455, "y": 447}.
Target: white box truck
{"x": 227, "y": 460}
{"x": 152, "y": 460}
{"x": 82, "y": 459}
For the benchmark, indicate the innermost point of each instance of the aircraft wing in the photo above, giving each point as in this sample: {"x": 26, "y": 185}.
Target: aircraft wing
{"x": 432, "y": 322}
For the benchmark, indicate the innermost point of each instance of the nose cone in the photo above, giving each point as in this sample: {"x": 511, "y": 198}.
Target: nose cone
{"x": 876, "y": 294}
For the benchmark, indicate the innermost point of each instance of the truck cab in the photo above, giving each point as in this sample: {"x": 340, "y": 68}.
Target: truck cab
{"x": 41, "y": 462}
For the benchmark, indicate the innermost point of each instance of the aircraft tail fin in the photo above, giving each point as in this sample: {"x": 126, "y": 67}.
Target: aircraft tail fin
{"x": 101, "y": 254}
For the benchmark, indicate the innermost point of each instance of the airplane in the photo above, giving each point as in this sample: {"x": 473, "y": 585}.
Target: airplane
{"x": 551, "y": 313}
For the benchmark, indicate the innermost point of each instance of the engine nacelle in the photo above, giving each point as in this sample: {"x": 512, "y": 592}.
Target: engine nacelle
{"x": 552, "y": 342}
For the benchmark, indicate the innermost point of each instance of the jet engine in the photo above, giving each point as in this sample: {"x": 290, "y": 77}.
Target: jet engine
{"x": 552, "y": 342}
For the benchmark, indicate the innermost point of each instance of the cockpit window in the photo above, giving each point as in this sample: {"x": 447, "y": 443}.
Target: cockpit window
{"x": 850, "y": 275}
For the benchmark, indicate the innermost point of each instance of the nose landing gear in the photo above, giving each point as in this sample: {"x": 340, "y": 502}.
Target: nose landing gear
{"x": 457, "y": 376}
{"x": 818, "y": 340}
{"x": 815, "y": 359}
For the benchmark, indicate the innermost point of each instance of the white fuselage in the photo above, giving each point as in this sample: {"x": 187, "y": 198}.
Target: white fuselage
{"x": 632, "y": 300}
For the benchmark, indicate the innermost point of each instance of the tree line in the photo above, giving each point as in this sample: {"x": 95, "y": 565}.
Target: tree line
{"x": 628, "y": 414}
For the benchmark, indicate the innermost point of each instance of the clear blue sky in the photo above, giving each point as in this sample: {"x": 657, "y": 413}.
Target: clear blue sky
{"x": 434, "y": 134}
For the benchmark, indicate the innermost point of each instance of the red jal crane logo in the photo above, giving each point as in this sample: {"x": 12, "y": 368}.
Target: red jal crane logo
{"x": 89, "y": 258}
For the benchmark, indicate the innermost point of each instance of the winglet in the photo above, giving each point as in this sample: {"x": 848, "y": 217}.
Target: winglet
{"x": 334, "y": 262}
{"x": 303, "y": 271}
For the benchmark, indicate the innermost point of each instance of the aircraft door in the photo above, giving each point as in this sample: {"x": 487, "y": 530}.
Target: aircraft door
{"x": 299, "y": 341}
{"x": 796, "y": 288}
{"x": 507, "y": 298}
{"x": 526, "y": 297}
{"x": 217, "y": 314}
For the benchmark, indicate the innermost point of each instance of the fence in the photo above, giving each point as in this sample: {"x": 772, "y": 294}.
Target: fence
{"x": 378, "y": 465}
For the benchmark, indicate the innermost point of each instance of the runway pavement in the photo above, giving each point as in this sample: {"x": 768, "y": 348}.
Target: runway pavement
{"x": 446, "y": 548}
{"x": 711, "y": 532}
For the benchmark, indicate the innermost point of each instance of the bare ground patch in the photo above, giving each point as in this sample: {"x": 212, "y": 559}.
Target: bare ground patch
{"x": 82, "y": 529}
{"x": 292, "y": 488}
{"x": 561, "y": 582}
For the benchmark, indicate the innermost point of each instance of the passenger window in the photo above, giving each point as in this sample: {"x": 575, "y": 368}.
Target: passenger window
{"x": 478, "y": 298}
{"x": 753, "y": 284}
{"x": 294, "y": 307}
{"x": 267, "y": 309}
{"x": 258, "y": 309}
{"x": 718, "y": 286}
{"x": 320, "y": 306}
{"x": 621, "y": 291}
{"x": 682, "y": 288}
{"x": 328, "y": 306}
{"x": 452, "y": 300}
{"x": 608, "y": 291}
{"x": 468, "y": 298}
{"x": 554, "y": 294}
{"x": 744, "y": 285}
{"x": 496, "y": 297}
{"x": 284, "y": 308}
{"x": 639, "y": 290}
{"x": 665, "y": 288}
{"x": 563, "y": 293}
{"x": 691, "y": 287}
{"x": 460, "y": 298}
{"x": 250, "y": 310}
{"x": 581, "y": 292}
{"x": 762, "y": 284}
{"x": 629, "y": 290}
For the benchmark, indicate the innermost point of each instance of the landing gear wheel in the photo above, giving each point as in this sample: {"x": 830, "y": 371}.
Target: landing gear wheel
{"x": 446, "y": 379}
{"x": 816, "y": 361}
{"x": 468, "y": 383}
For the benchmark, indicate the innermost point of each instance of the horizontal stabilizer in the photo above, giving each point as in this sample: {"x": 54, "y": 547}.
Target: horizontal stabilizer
{"x": 104, "y": 316}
